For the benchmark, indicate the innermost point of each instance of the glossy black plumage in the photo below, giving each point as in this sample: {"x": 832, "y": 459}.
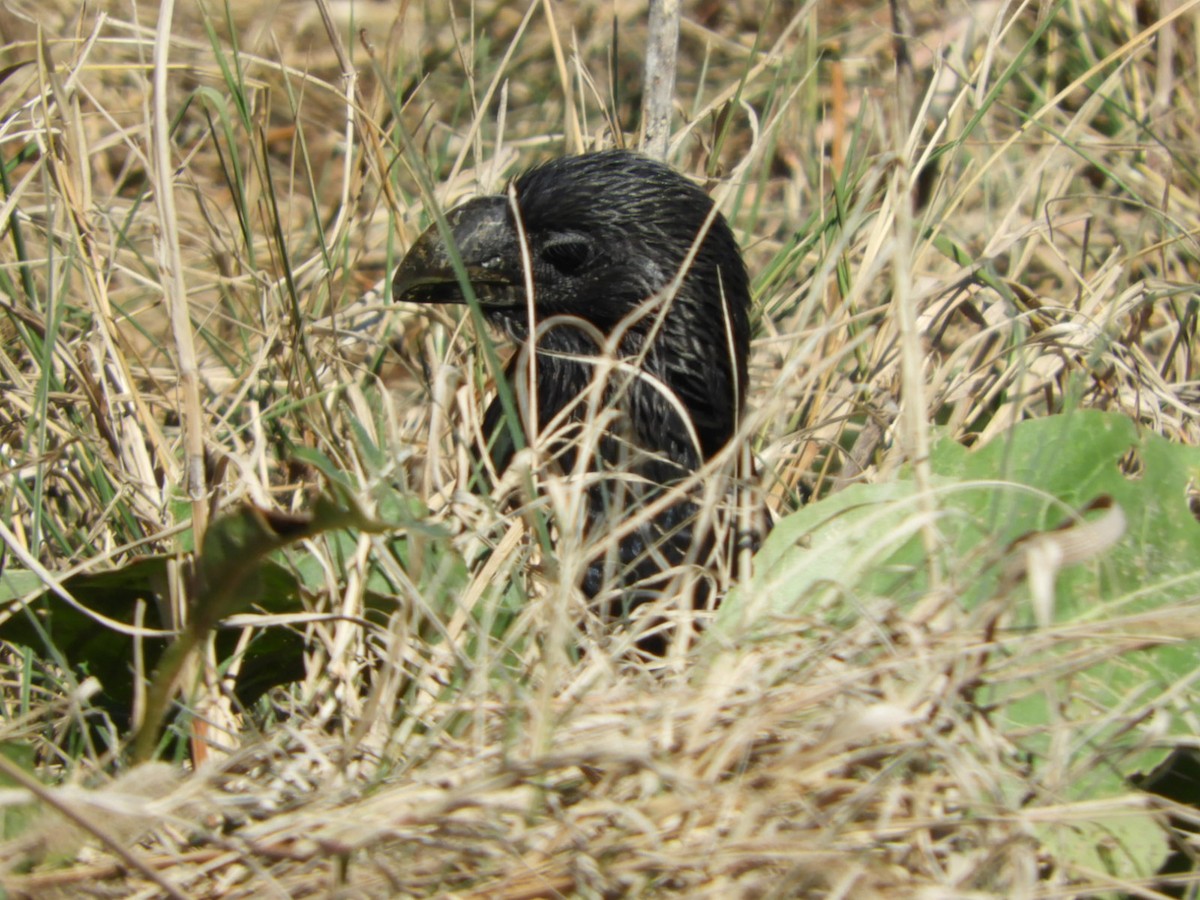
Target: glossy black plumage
{"x": 635, "y": 251}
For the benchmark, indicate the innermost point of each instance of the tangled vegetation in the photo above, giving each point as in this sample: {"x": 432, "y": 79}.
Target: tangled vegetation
{"x": 974, "y": 414}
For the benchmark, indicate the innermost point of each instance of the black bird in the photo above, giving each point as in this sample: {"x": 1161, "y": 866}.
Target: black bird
{"x": 624, "y": 251}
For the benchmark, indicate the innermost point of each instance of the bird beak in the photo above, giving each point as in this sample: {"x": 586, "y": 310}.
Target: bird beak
{"x": 485, "y": 240}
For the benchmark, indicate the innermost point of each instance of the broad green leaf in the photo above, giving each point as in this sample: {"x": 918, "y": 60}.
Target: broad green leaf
{"x": 833, "y": 557}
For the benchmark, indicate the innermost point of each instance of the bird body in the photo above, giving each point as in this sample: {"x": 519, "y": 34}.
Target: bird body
{"x": 629, "y": 262}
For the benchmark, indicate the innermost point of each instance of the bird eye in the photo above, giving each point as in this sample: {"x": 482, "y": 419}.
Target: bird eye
{"x": 567, "y": 253}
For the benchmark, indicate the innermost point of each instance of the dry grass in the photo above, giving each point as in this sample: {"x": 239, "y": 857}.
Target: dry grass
{"x": 1006, "y": 230}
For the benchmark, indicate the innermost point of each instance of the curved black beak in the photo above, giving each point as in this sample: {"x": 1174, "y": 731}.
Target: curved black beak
{"x": 487, "y": 245}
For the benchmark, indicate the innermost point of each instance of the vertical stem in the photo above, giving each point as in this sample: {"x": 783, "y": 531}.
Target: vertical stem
{"x": 571, "y": 125}
{"x": 661, "y": 52}
{"x": 170, "y": 264}
{"x": 914, "y": 415}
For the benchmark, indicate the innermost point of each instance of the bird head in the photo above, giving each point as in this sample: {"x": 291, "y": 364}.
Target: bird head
{"x": 599, "y": 235}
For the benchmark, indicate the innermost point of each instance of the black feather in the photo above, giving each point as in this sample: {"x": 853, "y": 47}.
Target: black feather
{"x": 631, "y": 248}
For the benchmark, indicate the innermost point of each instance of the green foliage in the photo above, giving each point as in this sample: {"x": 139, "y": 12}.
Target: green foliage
{"x": 15, "y": 817}
{"x": 860, "y": 542}
{"x": 1066, "y": 701}
{"x": 244, "y": 565}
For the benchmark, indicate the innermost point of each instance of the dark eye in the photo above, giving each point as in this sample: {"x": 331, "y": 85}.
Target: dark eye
{"x": 568, "y": 253}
